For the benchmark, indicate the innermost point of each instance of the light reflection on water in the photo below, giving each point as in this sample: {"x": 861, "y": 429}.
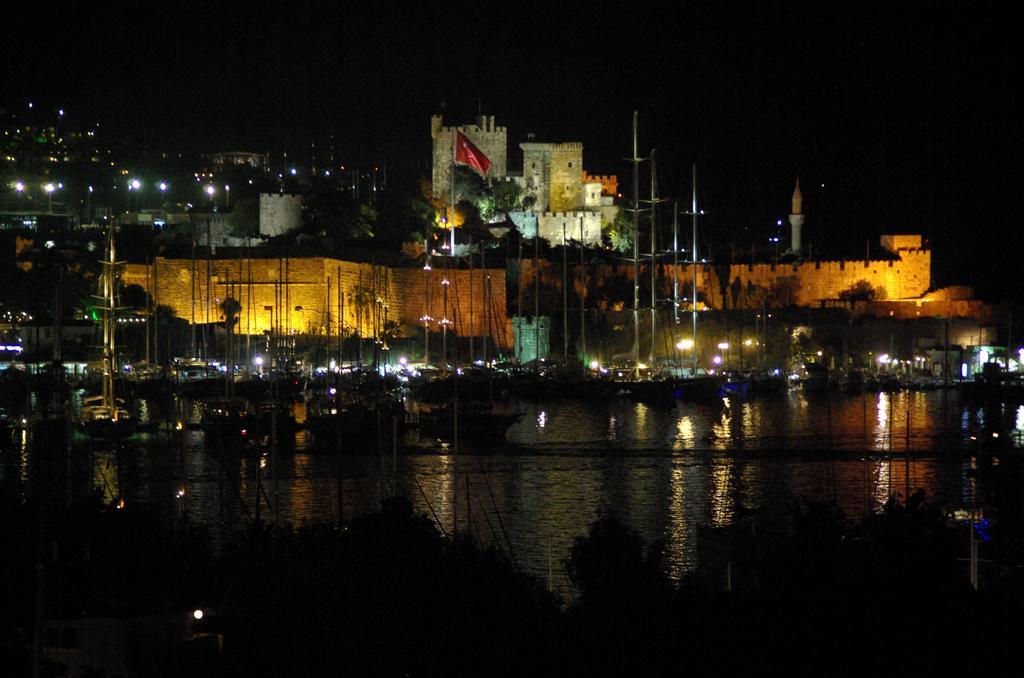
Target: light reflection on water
{"x": 665, "y": 473}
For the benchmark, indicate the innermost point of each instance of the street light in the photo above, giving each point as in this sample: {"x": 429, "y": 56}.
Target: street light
{"x": 685, "y": 344}
{"x": 49, "y": 188}
{"x": 133, "y": 185}
{"x": 724, "y": 346}
{"x": 227, "y": 196}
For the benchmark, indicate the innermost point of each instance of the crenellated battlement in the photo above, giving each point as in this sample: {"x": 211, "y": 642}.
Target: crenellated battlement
{"x": 609, "y": 182}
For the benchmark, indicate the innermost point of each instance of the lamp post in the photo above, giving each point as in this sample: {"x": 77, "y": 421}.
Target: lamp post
{"x": 19, "y": 189}
{"x": 685, "y": 345}
{"x": 133, "y": 185}
{"x": 163, "y": 193}
{"x": 49, "y": 188}
{"x": 227, "y": 196}
{"x": 724, "y": 346}
{"x": 210, "y": 190}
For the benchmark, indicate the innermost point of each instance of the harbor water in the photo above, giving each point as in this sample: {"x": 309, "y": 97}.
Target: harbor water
{"x": 663, "y": 472}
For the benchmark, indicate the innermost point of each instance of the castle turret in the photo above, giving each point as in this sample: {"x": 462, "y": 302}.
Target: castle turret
{"x": 796, "y": 218}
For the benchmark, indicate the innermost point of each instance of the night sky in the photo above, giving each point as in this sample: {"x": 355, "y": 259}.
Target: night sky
{"x": 902, "y": 112}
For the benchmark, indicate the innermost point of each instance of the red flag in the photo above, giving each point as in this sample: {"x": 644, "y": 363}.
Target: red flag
{"x": 468, "y": 154}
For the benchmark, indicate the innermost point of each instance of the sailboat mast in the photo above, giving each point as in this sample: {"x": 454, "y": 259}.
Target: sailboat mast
{"x": 519, "y": 302}
{"x": 636, "y": 252}
{"x": 675, "y": 261}
{"x": 693, "y": 306}
{"x": 565, "y": 300}
{"x": 149, "y": 310}
{"x": 654, "y": 267}
{"x": 470, "y": 326}
{"x": 426, "y": 303}
{"x": 583, "y": 303}
{"x": 109, "y": 357}
{"x": 536, "y": 297}
{"x": 487, "y": 299}
{"x": 192, "y": 326}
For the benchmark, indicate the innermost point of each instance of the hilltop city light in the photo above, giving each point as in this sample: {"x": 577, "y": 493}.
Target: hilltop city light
{"x": 723, "y": 346}
{"x": 717, "y": 360}
{"x": 49, "y": 188}
{"x": 162, "y": 186}
{"x": 684, "y": 344}
{"x": 134, "y": 184}
{"x": 19, "y": 187}
{"x": 197, "y": 614}
{"x": 883, "y": 359}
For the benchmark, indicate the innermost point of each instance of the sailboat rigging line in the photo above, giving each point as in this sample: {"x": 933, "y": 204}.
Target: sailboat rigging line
{"x": 483, "y": 510}
{"x": 497, "y": 513}
{"x": 430, "y": 507}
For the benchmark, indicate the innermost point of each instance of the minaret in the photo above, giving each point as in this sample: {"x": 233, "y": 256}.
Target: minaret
{"x": 796, "y": 218}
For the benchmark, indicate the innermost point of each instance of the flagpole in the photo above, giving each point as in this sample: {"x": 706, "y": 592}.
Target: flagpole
{"x": 451, "y": 226}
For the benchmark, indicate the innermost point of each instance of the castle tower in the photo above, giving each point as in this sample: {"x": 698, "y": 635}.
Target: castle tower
{"x": 491, "y": 139}
{"x": 553, "y": 174}
{"x": 796, "y": 219}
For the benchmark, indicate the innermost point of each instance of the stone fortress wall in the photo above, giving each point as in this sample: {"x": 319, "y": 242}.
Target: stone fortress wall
{"x": 550, "y": 225}
{"x": 294, "y": 295}
{"x": 907, "y": 276}
{"x": 810, "y": 284}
